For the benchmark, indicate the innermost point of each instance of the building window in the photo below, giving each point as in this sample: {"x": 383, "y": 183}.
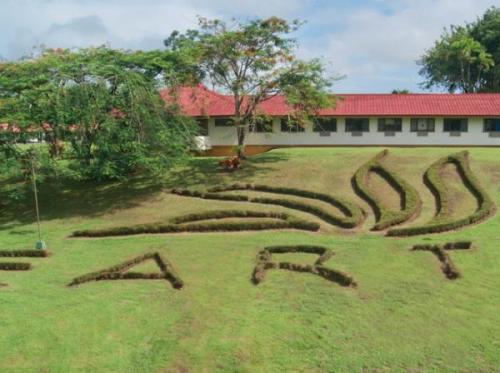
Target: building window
{"x": 491, "y": 125}
{"x": 455, "y": 125}
{"x": 261, "y": 125}
{"x": 202, "y": 126}
{"x": 422, "y": 125}
{"x": 223, "y": 122}
{"x": 390, "y": 124}
{"x": 290, "y": 125}
{"x": 357, "y": 125}
{"x": 324, "y": 124}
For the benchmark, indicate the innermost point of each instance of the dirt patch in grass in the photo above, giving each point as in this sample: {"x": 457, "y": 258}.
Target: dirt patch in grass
{"x": 460, "y": 200}
{"x": 384, "y": 192}
{"x": 446, "y": 199}
{"x": 386, "y": 217}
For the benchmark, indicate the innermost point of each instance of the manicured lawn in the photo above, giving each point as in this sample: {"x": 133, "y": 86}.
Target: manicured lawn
{"x": 403, "y": 316}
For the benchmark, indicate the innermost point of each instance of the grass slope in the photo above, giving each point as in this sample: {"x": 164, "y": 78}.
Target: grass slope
{"x": 404, "y": 314}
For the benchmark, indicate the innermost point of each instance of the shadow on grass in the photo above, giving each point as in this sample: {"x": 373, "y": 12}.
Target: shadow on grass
{"x": 59, "y": 199}
{"x": 203, "y": 171}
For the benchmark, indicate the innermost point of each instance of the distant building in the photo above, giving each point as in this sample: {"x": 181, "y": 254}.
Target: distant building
{"x": 357, "y": 120}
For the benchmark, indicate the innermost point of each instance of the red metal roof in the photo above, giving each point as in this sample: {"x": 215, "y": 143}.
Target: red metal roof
{"x": 200, "y": 101}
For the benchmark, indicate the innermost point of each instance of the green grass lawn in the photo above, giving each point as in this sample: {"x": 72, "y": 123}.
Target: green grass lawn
{"x": 403, "y": 316}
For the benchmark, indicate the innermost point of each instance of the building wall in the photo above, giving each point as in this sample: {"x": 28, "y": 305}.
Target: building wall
{"x": 226, "y": 136}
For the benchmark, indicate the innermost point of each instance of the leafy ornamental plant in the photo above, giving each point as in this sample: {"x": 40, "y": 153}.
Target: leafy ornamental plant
{"x": 254, "y": 61}
{"x": 104, "y": 103}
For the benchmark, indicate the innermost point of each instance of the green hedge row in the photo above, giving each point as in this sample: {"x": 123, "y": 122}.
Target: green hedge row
{"x": 354, "y": 215}
{"x": 285, "y": 221}
{"x": 224, "y": 214}
{"x": 458, "y": 245}
{"x": 265, "y": 263}
{"x": 447, "y": 265}
{"x": 323, "y": 252}
{"x": 118, "y": 272}
{"x": 205, "y": 195}
{"x": 441, "y": 222}
{"x": 24, "y": 253}
{"x": 410, "y": 200}
{"x": 11, "y": 266}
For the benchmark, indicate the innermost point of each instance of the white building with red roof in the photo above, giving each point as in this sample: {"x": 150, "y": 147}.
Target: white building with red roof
{"x": 356, "y": 120}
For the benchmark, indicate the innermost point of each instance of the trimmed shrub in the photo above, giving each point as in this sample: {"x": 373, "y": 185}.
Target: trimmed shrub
{"x": 223, "y": 214}
{"x": 118, "y": 272}
{"x": 333, "y": 275}
{"x": 182, "y": 224}
{"x": 324, "y": 253}
{"x": 204, "y": 195}
{"x": 265, "y": 263}
{"x": 457, "y": 245}
{"x": 354, "y": 215}
{"x": 24, "y": 253}
{"x": 410, "y": 200}
{"x": 11, "y": 266}
{"x": 441, "y": 222}
{"x": 447, "y": 266}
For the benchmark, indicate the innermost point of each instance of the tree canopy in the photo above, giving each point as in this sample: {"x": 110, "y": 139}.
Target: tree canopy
{"x": 104, "y": 103}
{"x": 255, "y": 61}
{"x": 466, "y": 58}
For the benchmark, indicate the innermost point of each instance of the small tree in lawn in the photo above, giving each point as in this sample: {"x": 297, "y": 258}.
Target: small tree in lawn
{"x": 255, "y": 61}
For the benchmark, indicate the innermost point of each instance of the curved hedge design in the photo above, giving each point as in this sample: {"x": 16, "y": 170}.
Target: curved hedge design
{"x": 119, "y": 272}
{"x": 441, "y": 222}
{"x": 354, "y": 215}
{"x": 188, "y": 223}
{"x": 265, "y": 263}
{"x": 410, "y": 200}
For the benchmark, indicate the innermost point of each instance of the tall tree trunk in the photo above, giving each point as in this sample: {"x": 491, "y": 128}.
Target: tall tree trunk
{"x": 240, "y": 127}
{"x": 241, "y": 140}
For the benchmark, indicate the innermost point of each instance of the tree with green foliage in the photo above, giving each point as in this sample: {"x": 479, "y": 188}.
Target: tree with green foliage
{"x": 486, "y": 31}
{"x": 466, "y": 58}
{"x": 255, "y": 61}
{"x": 105, "y": 103}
